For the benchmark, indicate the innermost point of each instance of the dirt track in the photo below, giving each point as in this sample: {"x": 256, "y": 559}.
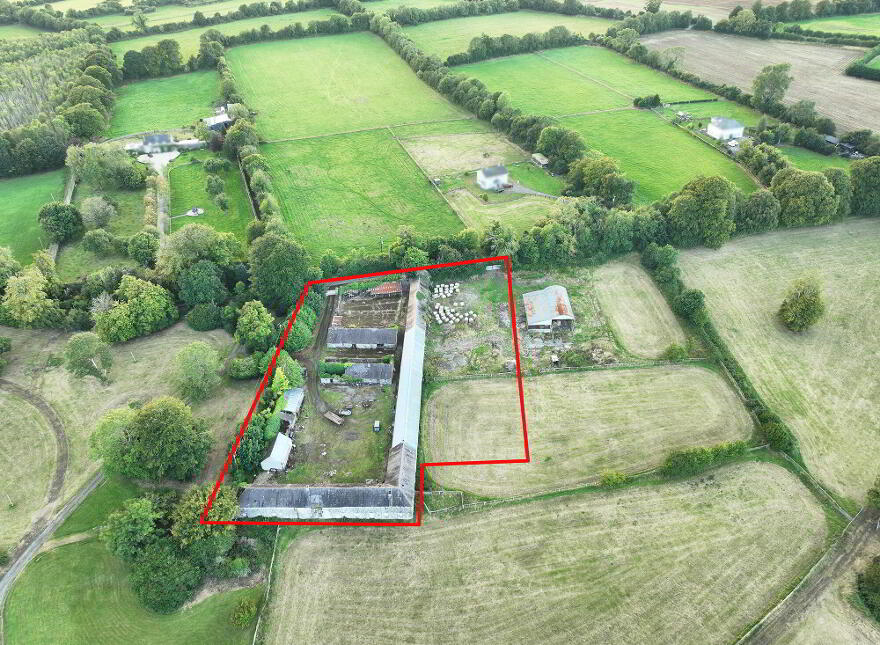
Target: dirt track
{"x": 817, "y": 70}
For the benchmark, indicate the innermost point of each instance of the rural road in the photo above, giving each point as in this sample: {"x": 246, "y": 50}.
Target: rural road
{"x": 785, "y": 615}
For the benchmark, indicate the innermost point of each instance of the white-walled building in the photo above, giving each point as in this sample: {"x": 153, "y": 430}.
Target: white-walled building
{"x": 725, "y": 129}
{"x": 492, "y": 178}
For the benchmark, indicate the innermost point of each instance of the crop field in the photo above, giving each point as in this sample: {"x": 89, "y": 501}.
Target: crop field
{"x": 344, "y": 192}
{"x": 446, "y": 37}
{"x": 188, "y": 190}
{"x": 817, "y": 70}
{"x": 23, "y": 197}
{"x": 862, "y": 24}
{"x": 825, "y": 383}
{"x": 91, "y": 602}
{"x": 580, "y": 424}
{"x": 559, "y": 570}
{"x": 167, "y": 13}
{"x": 18, "y": 31}
{"x": 332, "y": 84}
{"x": 636, "y": 310}
{"x": 659, "y": 157}
{"x": 809, "y": 160}
{"x": 189, "y": 39}
{"x": 25, "y": 469}
{"x": 164, "y": 103}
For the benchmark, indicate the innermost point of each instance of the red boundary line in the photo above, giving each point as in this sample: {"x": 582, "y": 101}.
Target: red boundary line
{"x": 421, "y": 502}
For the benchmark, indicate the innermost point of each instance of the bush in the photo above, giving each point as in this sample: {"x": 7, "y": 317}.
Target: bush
{"x": 100, "y": 242}
{"x": 683, "y": 463}
{"x": 214, "y": 185}
{"x": 613, "y": 479}
{"x": 4, "y": 557}
{"x": 869, "y": 587}
{"x": 273, "y": 427}
{"x": 674, "y": 352}
{"x": 222, "y": 201}
{"x": 336, "y": 369}
{"x": 244, "y": 613}
{"x": 204, "y": 317}
{"x": 575, "y": 358}
{"x": 779, "y": 437}
{"x": 96, "y": 212}
{"x": 243, "y": 368}
{"x": 690, "y": 305}
{"x": 215, "y": 165}
{"x": 803, "y": 306}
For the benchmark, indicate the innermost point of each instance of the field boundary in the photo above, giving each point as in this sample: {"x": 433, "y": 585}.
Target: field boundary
{"x": 387, "y": 126}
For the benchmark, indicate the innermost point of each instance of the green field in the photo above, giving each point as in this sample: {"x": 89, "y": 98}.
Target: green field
{"x": 93, "y": 512}
{"x": 809, "y": 160}
{"x": 445, "y": 37}
{"x": 167, "y": 13}
{"x": 865, "y": 24}
{"x": 348, "y": 191}
{"x": 23, "y": 197}
{"x": 332, "y": 84}
{"x": 164, "y": 103}
{"x": 85, "y": 598}
{"x": 381, "y": 6}
{"x": 189, "y": 39}
{"x": 659, "y": 157}
{"x": 702, "y": 112}
{"x": 64, "y": 5}
{"x": 18, "y": 31}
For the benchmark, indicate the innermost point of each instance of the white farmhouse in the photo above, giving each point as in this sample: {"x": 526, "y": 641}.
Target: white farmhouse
{"x": 492, "y": 178}
{"x": 725, "y": 129}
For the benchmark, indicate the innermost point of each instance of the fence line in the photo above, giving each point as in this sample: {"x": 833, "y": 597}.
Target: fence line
{"x": 268, "y": 587}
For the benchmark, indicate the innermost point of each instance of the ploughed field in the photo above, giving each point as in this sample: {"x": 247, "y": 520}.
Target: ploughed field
{"x": 817, "y": 70}
{"x": 580, "y": 425}
{"x": 825, "y": 382}
{"x": 620, "y": 567}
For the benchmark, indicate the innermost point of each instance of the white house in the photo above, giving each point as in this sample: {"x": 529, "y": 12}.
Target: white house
{"x": 725, "y": 129}
{"x": 277, "y": 460}
{"x": 548, "y": 309}
{"x": 492, "y": 178}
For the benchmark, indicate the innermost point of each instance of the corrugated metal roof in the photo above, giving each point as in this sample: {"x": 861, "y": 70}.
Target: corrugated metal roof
{"x": 550, "y": 303}
{"x": 293, "y": 399}
{"x": 361, "y": 336}
{"x": 407, "y": 411}
{"x": 385, "y": 288}
{"x": 370, "y": 371}
{"x": 280, "y": 452}
{"x": 321, "y": 496}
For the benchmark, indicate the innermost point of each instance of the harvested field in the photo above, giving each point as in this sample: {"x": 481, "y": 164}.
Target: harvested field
{"x": 825, "y": 383}
{"x": 580, "y": 424}
{"x": 332, "y": 84}
{"x": 441, "y": 154}
{"x": 636, "y": 310}
{"x": 562, "y": 570}
{"x": 26, "y": 467}
{"x": 817, "y": 70}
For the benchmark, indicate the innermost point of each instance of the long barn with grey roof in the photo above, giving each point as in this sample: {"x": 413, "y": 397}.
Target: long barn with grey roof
{"x": 361, "y": 338}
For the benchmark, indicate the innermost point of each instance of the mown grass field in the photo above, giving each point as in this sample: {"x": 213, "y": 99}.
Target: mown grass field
{"x": 167, "y": 13}
{"x": 23, "y": 197}
{"x": 64, "y": 5}
{"x": 93, "y": 512}
{"x": 637, "y": 312}
{"x": 659, "y": 157}
{"x": 344, "y": 192}
{"x": 164, "y": 103}
{"x": 26, "y": 467}
{"x": 702, "y": 112}
{"x": 332, "y": 84}
{"x": 87, "y": 599}
{"x": 580, "y": 424}
{"x": 825, "y": 383}
{"x": 381, "y": 6}
{"x": 445, "y": 37}
{"x": 18, "y": 31}
{"x": 443, "y": 154}
{"x": 519, "y": 214}
{"x": 621, "y": 567}
{"x": 809, "y": 160}
{"x": 189, "y": 39}
{"x": 862, "y": 24}
{"x": 188, "y": 190}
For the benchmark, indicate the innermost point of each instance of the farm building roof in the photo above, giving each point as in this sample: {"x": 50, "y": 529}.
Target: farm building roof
{"x": 277, "y": 459}
{"x": 157, "y": 138}
{"x": 321, "y": 496}
{"x": 219, "y": 118}
{"x": 408, "y": 408}
{"x": 494, "y": 171}
{"x": 550, "y": 303}
{"x": 361, "y": 336}
{"x": 831, "y": 139}
{"x": 724, "y": 123}
{"x": 386, "y": 288}
{"x": 293, "y": 399}
{"x": 541, "y": 159}
{"x": 378, "y": 371}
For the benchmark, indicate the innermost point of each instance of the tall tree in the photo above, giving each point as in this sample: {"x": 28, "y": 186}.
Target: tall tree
{"x": 255, "y": 326}
{"x": 805, "y": 198}
{"x": 197, "y": 370}
{"x": 85, "y": 353}
{"x": 702, "y": 212}
{"x": 803, "y": 305}
{"x": 770, "y": 85}
{"x": 25, "y": 299}
{"x": 866, "y": 187}
{"x": 279, "y": 269}
{"x": 60, "y": 221}
{"x": 128, "y": 531}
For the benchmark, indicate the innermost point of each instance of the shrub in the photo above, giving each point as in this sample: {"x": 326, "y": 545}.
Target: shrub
{"x": 4, "y": 557}
{"x": 144, "y": 245}
{"x": 803, "y": 305}
{"x": 222, "y": 201}
{"x": 204, "y": 317}
{"x": 96, "y": 212}
{"x": 779, "y": 437}
{"x": 100, "y": 242}
{"x": 215, "y": 165}
{"x": 575, "y": 358}
{"x": 214, "y": 185}
{"x": 691, "y": 305}
{"x": 674, "y": 352}
{"x": 613, "y": 479}
{"x": 244, "y": 613}
{"x": 243, "y": 368}
{"x": 332, "y": 368}
{"x": 273, "y": 427}
{"x": 869, "y": 587}
{"x": 683, "y": 463}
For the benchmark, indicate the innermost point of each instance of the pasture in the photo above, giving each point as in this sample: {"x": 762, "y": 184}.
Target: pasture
{"x": 332, "y": 84}
{"x": 23, "y": 197}
{"x": 64, "y": 5}
{"x": 164, "y": 103}
{"x": 165, "y": 14}
{"x": 91, "y": 601}
{"x": 861, "y": 24}
{"x": 580, "y": 424}
{"x": 443, "y": 154}
{"x": 348, "y": 191}
{"x": 26, "y": 467}
{"x": 443, "y": 38}
{"x": 92, "y": 513}
{"x": 519, "y": 214}
{"x": 702, "y": 112}
{"x": 809, "y": 160}
{"x": 381, "y": 6}
{"x": 17, "y": 31}
{"x": 658, "y": 156}
{"x": 825, "y": 382}
{"x": 714, "y": 9}
{"x": 188, "y": 178}
{"x": 817, "y": 70}
{"x": 189, "y": 39}
{"x": 618, "y": 567}
{"x": 637, "y": 312}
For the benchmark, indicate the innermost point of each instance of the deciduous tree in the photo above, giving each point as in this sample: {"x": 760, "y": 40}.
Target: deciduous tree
{"x": 60, "y": 221}
{"x": 197, "y": 370}
{"x": 255, "y": 326}
{"x": 803, "y": 305}
{"x": 279, "y": 268}
{"x": 85, "y": 353}
{"x": 866, "y": 187}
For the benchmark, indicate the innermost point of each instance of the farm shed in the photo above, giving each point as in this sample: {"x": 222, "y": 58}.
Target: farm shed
{"x": 548, "y": 309}
{"x": 153, "y": 143}
{"x": 492, "y": 178}
{"x": 371, "y": 373}
{"x": 387, "y": 289}
{"x": 218, "y": 122}
{"x": 293, "y": 400}
{"x": 540, "y": 160}
{"x": 723, "y": 129}
{"x": 306, "y": 502}
{"x": 361, "y": 338}
{"x": 277, "y": 459}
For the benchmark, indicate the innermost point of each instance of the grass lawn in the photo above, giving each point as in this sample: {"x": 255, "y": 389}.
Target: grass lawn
{"x": 188, "y": 190}
{"x": 863, "y": 24}
{"x": 636, "y": 310}
{"x": 25, "y": 469}
{"x": 189, "y": 39}
{"x": 23, "y": 197}
{"x": 536, "y": 178}
{"x": 381, "y": 6}
{"x": 93, "y": 512}
{"x": 580, "y": 425}
{"x": 520, "y": 213}
{"x": 88, "y": 600}
{"x": 445, "y": 37}
{"x": 332, "y": 84}
{"x": 825, "y": 382}
{"x": 18, "y": 31}
{"x": 611, "y": 567}
{"x": 444, "y": 154}
{"x": 702, "y": 112}
{"x": 349, "y": 191}
{"x": 659, "y": 157}
{"x": 164, "y": 103}
{"x": 809, "y": 160}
